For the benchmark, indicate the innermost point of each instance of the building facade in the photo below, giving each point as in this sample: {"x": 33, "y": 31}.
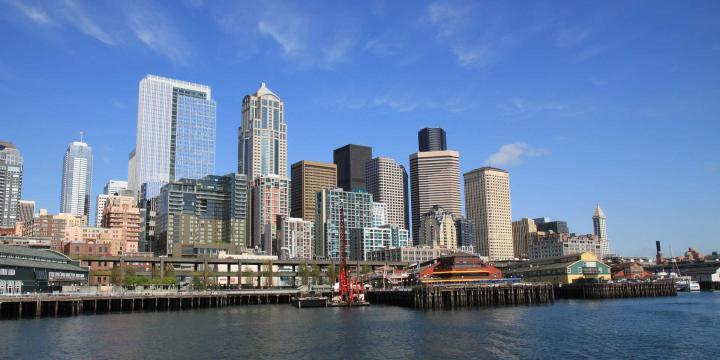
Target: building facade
{"x": 548, "y": 245}
{"x": 269, "y": 200}
{"x": 309, "y": 177}
{"x": 27, "y": 210}
{"x": 351, "y": 160}
{"x": 298, "y": 237}
{"x": 544, "y": 224}
{"x": 600, "y": 228}
{"x": 11, "y": 176}
{"x": 175, "y": 134}
{"x": 524, "y": 231}
{"x": 466, "y": 239}
{"x": 560, "y": 270}
{"x": 385, "y": 180}
{"x": 366, "y": 240}
{"x": 487, "y": 202}
{"x": 51, "y": 226}
{"x": 77, "y": 180}
{"x": 411, "y": 254}
{"x": 357, "y": 208}
{"x": 437, "y": 229}
{"x": 432, "y": 139}
{"x": 122, "y": 213}
{"x": 435, "y": 180}
{"x": 380, "y": 214}
{"x": 112, "y": 187}
{"x": 24, "y": 270}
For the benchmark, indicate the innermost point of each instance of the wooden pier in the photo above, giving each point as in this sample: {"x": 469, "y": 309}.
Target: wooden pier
{"x": 615, "y": 291}
{"x": 462, "y": 296}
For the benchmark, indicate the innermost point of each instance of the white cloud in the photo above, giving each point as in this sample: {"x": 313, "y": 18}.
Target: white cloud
{"x": 33, "y": 13}
{"x": 512, "y": 154}
{"x": 289, "y": 34}
{"x": 78, "y": 17}
{"x": 159, "y": 33}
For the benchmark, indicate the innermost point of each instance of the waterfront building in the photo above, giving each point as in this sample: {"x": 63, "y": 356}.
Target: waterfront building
{"x": 351, "y": 160}
{"x": 77, "y": 180}
{"x": 409, "y": 254}
{"x": 24, "y": 270}
{"x": 298, "y": 238}
{"x": 100, "y": 271}
{"x": 457, "y": 268}
{"x": 358, "y": 213}
{"x": 51, "y": 226}
{"x": 600, "y": 229}
{"x": 203, "y": 211}
{"x": 435, "y": 180}
{"x": 432, "y": 139}
{"x": 262, "y": 137}
{"x": 380, "y": 214}
{"x": 112, "y": 187}
{"x": 547, "y": 245}
{"x": 366, "y": 240}
{"x": 466, "y": 240}
{"x": 524, "y": 231}
{"x": 11, "y": 177}
{"x": 560, "y": 270}
{"x": 269, "y": 200}
{"x": 175, "y": 134}
{"x": 487, "y": 202}
{"x": 26, "y": 209}
{"x": 437, "y": 229}
{"x": 122, "y": 212}
{"x": 309, "y": 177}
{"x": 26, "y": 241}
{"x": 385, "y": 180}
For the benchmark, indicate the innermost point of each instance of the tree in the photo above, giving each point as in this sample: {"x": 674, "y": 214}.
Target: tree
{"x": 315, "y": 273}
{"x": 304, "y": 274}
{"x": 332, "y": 273}
{"x": 197, "y": 283}
{"x": 366, "y": 269}
{"x": 267, "y": 273}
{"x": 248, "y": 275}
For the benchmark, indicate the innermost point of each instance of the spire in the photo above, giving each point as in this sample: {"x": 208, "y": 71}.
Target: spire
{"x": 81, "y": 135}
{"x": 263, "y": 90}
{"x": 598, "y": 212}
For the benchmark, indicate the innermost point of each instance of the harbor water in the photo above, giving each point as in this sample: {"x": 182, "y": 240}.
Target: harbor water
{"x": 686, "y": 326}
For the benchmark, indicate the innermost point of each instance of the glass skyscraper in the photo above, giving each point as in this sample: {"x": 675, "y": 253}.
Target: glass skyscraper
{"x": 77, "y": 180}
{"x": 11, "y": 174}
{"x": 175, "y": 134}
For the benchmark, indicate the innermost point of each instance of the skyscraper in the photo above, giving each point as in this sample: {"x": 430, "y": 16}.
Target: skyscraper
{"x": 437, "y": 229}
{"x": 524, "y": 231}
{"x": 175, "y": 134}
{"x": 466, "y": 239}
{"x": 77, "y": 180}
{"x": 357, "y": 207}
{"x": 269, "y": 201}
{"x": 27, "y": 210}
{"x": 122, "y": 213}
{"x": 309, "y": 177}
{"x": 600, "y": 228}
{"x": 11, "y": 175}
{"x": 432, "y": 139}
{"x": 487, "y": 202}
{"x": 112, "y": 187}
{"x": 435, "y": 180}
{"x": 350, "y": 160}
{"x": 262, "y": 137}
{"x": 385, "y": 181}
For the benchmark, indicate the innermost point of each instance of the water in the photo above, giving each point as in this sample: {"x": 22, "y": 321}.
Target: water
{"x": 686, "y": 326}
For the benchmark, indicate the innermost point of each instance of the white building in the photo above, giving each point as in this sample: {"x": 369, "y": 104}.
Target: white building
{"x": 600, "y": 228}
{"x": 437, "y": 229}
{"x": 112, "y": 187}
{"x": 384, "y": 179}
{"x": 11, "y": 175}
{"x": 366, "y": 240}
{"x": 487, "y": 203}
{"x": 552, "y": 245}
{"x": 297, "y": 238}
{"x": 77, "y": 180}
{"x": 380, "y": 214}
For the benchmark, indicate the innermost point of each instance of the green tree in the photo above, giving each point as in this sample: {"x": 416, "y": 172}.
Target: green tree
{"x": 197, "y": 283}
{"x": 303, "y": 273}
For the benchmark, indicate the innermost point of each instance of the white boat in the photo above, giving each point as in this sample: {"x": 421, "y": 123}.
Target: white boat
{"x": 686, "y": 283}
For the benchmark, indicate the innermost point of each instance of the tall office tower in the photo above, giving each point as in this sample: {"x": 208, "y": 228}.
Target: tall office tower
{"x": 357, "y": 207}
{"x": 437, "y": 229}
{"x": 112, "y": 187}
{"x": 175, "y": 134}
{"x": 27, "y": 210}
{"x": 148, "y": 223}
{"x": 487, "y": 202}
{"x": 523, "y": 231}
{"x": 432, "y": 139}
{"x": 210, "y": 210}
{"x": 466, "y": 239}
{"x": 600, "y": 228}
{"x": 350, "y": 160}
{"x": 380, "y": 214}
{"x": 385, "y": 181}
{"x": 309, "y": 177}
{"x": 297, "y": 237}
{"x": 11, "y": 174}
{"x": 262, "y": 137}
{"x": 406, "y": 198}
{"x": 435, "y": 180}
{"x": 269, "y": 200}
{"x": 122, "y": 213}
{"x": 77, "y": 180}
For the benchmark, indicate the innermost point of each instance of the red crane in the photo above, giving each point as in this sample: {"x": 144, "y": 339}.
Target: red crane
{"x": 345, "y": 288}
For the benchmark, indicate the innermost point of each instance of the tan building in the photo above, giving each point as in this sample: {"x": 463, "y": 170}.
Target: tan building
{"x": 487, "y": 203}
{"x": 309, "y": 177}
{"x": 435, "y": 180}
{"x": 51, "y": 226}
{"x": 385, "y": 180}
{"x": 122, "y": 214}
{"x": 523, "y": 231}
{"x": 437, "y": 229}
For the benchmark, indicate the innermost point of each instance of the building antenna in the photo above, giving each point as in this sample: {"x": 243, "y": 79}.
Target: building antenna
{"x": 81, "y": 135}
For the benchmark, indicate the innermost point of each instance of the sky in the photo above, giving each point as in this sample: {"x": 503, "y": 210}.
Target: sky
{"x": 583, "y": 102}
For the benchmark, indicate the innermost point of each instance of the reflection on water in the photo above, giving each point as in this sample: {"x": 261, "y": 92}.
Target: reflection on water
{"x": 682, "y": 327}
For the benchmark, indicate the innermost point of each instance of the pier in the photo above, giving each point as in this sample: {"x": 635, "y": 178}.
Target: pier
{"x": 464, "y": 296}
{"x": 52, "y": 305}
{"x": 615, "y": 291}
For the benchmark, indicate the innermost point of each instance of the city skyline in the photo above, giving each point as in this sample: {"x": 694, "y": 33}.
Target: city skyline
{"x": 546, "y": 134}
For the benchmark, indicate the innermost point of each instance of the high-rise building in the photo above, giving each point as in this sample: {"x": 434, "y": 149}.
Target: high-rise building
{"x": 77, "y": 180}
{"x": 269, "y": 200}
{"x": 523, "y": 231}
{"x": 435, "y": 180}
{"x": 600, "y": 228}
{"x": 385, "y": 181}
{"x": 437, "y": 229}
{"x": 112, "y": 187}
{"x": 350, "y": 160}
{"x": 548, "y": 245}
{"x": 309, "y": 177}
{"x": 487, "y": 202}
{"x": 210, "y": 210}
{"x": 11, "y": 175}
{"x": 364, "y": 241}
{"x": 27, "y": 210}
{"x": 466, "y": 239}
{"x": 175, "y": 134}
{"x": 262, "y": 137}
{"x": 380, "y": 214}
{"x": 544, "y": 224}
{"x": 432, "y": 139}
{"x": 148, "y": 223}
{"x": 122, "y": 212}
{"x": 357, "y": 207}
{"x": 406, "y": 199}
{"x": 298, "y": 237}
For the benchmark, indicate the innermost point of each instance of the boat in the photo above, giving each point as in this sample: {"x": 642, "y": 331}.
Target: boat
{"x": 686, "y": 284}
{"x": 309, "y": 301}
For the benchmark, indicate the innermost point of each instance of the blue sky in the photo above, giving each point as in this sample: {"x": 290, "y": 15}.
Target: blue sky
{"x": 583, "y": 102}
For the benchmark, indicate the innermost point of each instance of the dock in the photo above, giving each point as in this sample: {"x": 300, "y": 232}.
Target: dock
{"x": 615, "y": 291}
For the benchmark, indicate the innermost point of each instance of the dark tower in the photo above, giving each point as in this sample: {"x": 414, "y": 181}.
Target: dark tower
{"x": 432, "y": 139}
{"x": 350, "y": 160}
